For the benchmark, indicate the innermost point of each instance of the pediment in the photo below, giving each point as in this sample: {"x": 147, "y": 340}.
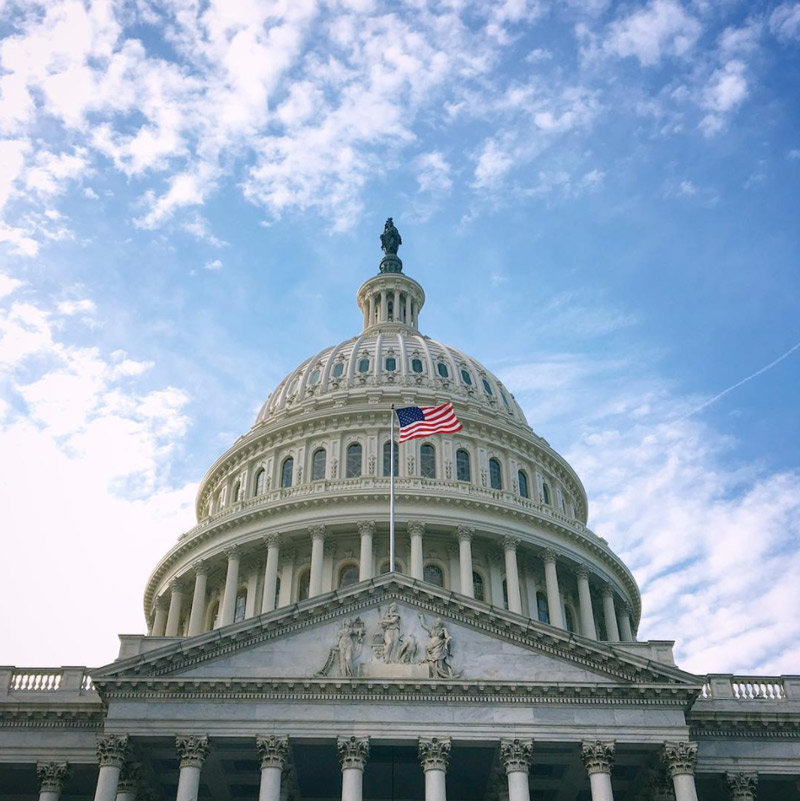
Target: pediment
{"x": 393, "y": 629}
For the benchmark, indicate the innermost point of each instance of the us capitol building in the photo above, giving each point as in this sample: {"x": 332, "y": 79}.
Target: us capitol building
{"x": 499, "y": 661}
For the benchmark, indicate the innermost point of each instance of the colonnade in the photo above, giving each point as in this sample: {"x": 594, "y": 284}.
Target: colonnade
{"x": 616, "y": 615}
{"x": 404, "y": 308}
{"x": 119, "y": 778}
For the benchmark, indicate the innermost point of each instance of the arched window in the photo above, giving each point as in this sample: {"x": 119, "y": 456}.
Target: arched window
{"x": 569, "y": 620}
{"x": 318, "y": 464}
{"x": 441, "y": 368}
{"x": 477, "y": 587}
{"x": 433, "y": 575}
{"x": 462, "y": 466}
{"x": 387, "y": 450}
{"x": 522, "y": 480}
{"x": 545, "y": 493}
{"x": 495, "y": 475}
{"x": 261, "y": 480}
{"x": 286, "y": 472}
{"x": 542, "y": 610}
{"x": 427, "y": 461}
{"x": 353, "y": 460}
{"x": 213, "y": 616}
{"x": 348, "y": 575}
{"x": 303, "y": 582}
{"x": 390, "y": 310}
{"x": 237, "y": 491}
{"x": 241, "y": 606}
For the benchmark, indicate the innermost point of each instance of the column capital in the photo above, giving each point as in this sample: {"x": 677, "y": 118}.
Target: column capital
{"x": 597, "y": 755}
{"x": 199, "y": 569}
{"x": 366, "y": 528}
{"x": 176, "y": 584}
{"x": 273, "y": 751}
{"x": 549, "y": 556}
{"x": 582, "y": 572}
{"x": 608, "y": 590}
{"x": 130, "y": 777}
{"x": 415, "y": 528}
{"x": 317, "y": 532}
{"x": 51, "y": 776}
{"x": 112, "y": 749}
{"x": 160, "y": 603}
{"x": 680, "y": 758}
{"x": 465, "y": 533}
{"x": 192, "y": 749}
{"x": 516, "y": 754}
{"x": 272, "y": 540}
{"x": 233, "y": 552}
{"x": 434, "y": 752}
{"x": 510, "y": 543}
{"x": 353, "y": 752}
{"x": 742, "y": 786}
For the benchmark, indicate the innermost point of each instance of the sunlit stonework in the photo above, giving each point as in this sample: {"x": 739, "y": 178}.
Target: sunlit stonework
{"x": 283, "y": 659}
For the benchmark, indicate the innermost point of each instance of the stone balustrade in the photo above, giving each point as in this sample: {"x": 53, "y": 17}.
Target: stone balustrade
{"x": 17, "y": 683}
{"x": 728, "y": 687}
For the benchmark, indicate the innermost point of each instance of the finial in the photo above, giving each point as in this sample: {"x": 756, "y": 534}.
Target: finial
{"x": 390, "y": 241}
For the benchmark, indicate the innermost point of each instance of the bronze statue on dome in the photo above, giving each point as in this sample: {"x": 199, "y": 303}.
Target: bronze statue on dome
{"x": 390, "y": 238}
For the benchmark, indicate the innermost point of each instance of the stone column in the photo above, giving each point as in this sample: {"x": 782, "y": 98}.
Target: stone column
{"x": 111, "y": 752}
{"x": 434, "y": 754}
{"x": 415, "y": 532}
{"x": 553, "y": 593}
{"x": 465, "y": 534}
{"x": 610, "y": 614}
{"x": 585, "y": 598}
{"x": 273, "y": 542}
{"x": 192, "y": 752}
{"x": 384, "y": 306}
{"x": 598, "y": 759}
{"x": 372, "y": 309}
{"x": 679, "y": 760}
{"x": 317, "y": 555}
{"x": 273, "y": 752}
{"x": 742, "y": 786}
{"x": 516, "y": 756}
{"x": 512, "y": 574}
{"x": 353, "y": 755}
{"x": 228, "y": 606}
{"x": 129, "y": 780}
{"x": 51, "y": 777}
{"x": 624, "y": 620}
{"x": 175, "y": 604}
{"x": 198, "y": 600}
{"x": 160, "y": 619}
{"x": 366, "y": 530}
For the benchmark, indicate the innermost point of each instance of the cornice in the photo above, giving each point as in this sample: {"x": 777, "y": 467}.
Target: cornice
{"x": 52, "y": 718}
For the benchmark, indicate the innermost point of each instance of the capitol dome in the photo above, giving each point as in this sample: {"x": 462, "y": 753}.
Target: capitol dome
{"x": 299, "y": 505}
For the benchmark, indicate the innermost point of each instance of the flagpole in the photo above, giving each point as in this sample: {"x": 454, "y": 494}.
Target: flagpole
{"x": 391, "y": 492}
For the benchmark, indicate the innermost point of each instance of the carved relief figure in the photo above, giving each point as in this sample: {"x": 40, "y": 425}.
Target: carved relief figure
{"x": 437, "y": 649}
{"x": 389, "y": 645}
{"x": 349, "y": 641}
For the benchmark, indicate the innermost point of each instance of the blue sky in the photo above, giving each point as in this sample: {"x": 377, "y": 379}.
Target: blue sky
{"x": 600, "y": 200}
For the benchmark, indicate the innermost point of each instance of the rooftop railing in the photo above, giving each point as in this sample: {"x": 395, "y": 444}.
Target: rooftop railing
{"x": 728, "y": 687}
{"x": 18, "y": 682}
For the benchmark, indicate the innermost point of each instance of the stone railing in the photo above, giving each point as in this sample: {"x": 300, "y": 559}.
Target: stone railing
{"x": 17, "y": 683}
{"x": 724, "y": 686}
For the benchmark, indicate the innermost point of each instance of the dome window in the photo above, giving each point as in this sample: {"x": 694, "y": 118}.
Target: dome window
{"x": 387, "y": 449}
{"x": 522, "y": 480}
{"x": 416, "y": 365}
{"x": 241, "y": 606}
{"x": 353, "y": 460}
{"x": 427, "y": 461}
{"x": 463, "y": 472}
{"x": 318, "y": 465}
{"x": 261, "y": 480}
{"x": 348, "y": 575}
{"x": 293, "y": 387}
{"x": 391, "y": 364}
{"x": 495, "y": 475}
{"x": 466, "y": 377}
{"x": 478, "y": 591}
{"x": 433, "y": 575}
{"x": 569, "y": 619}
{"x": 303, "y": 584}
{"x": 542, "y": 609}
{"x": 338, "y": 369}
{"x": 505, "y": 400}
{"x": 286, "y": 472}
{"x": 363, "y": 365}
{"x": 441, "y": 368}
{"x": 313, "y": 378}
{"x": 545, "y": 493}
{"x": 487, "y": 387}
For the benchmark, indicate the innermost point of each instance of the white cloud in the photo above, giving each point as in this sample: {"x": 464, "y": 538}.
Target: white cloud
{"x": 662, "y": 28}
{"x": 433, "y": 173}
{"x": 91, "y": 447}
{"x": 493, "y": 163}
{"x": 72, "y": 307}
{"x": 215, "y": 264}
{"x": 711, "y": 541}
{"x": 8, "y": 285}
{"x": 784, "y": 21}
{"x": 724, "y": 92}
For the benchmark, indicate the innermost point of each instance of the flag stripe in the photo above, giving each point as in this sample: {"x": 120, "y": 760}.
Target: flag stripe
{"x": 425, "y": 420}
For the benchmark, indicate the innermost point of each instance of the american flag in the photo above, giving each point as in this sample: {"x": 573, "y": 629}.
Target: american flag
{"x": 419, "y": 421}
